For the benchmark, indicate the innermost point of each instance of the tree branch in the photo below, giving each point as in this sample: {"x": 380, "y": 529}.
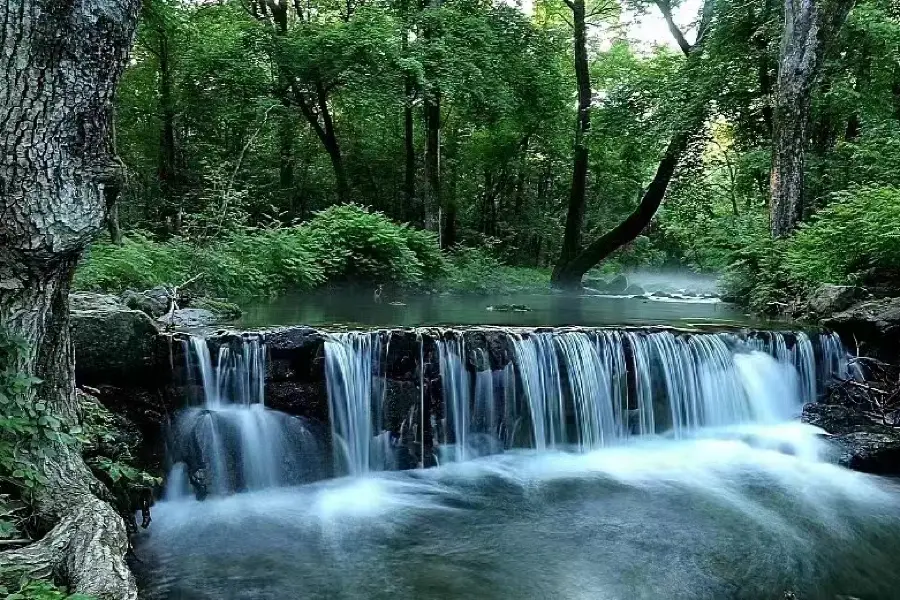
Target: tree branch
{"x": 666, "y": 9}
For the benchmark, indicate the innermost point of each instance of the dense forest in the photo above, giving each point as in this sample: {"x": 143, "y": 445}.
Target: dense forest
{"x": 245, "y": 148}
{"x": 536, "y": 136}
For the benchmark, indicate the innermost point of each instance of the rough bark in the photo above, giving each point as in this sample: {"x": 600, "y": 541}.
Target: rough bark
{"x": 809, "y": 28}
{"x": 577, "y": 192}
{"x": 60, "y": 62}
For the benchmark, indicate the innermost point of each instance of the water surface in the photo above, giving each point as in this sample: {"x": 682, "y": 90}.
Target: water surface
{"x": 353, "y": 308}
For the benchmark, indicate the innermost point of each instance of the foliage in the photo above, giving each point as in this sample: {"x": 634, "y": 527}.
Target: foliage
{"x": 340, "y": 243}
{"x": 13, "y": 587}
{"x": 353, "y": 243}
{"x": 858, "y": 231}
{"x": 26, "y": 430}
{"x": 26, "y": 424}
{"x": 477, "y": 271}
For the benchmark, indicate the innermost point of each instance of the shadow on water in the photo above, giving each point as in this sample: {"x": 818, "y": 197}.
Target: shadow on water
{"x": 720, "y": 517}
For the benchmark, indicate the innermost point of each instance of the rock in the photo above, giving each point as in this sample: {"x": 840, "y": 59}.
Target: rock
{"x": 113, "y": 344}
{"x": 829, "y": 299}
{"x": 190, "y": 318}
{"x": 509, "y": 308}
{"x": 875, "y": 325}
{"x": 82, "y": 301}
{"x": 224, "y": 310}
{"x": 858, "y": 443}
{"x": 634, "y": 290}
{"x": 617, "y": 285}
{"x": 154, "y": 302}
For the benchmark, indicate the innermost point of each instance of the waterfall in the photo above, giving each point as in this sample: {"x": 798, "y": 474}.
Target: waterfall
{"x": 589, "y": 389}
{"x": 232, "y": 442}
{"x": 355, "y": 395}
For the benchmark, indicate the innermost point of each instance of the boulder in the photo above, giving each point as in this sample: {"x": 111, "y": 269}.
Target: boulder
{"x": 874, "y": 325}
{"x": 113, "y": 343}
{"x": 189, "y": 318}
{"x": 617, "y": 285}
{"x": 829, "y": 299}
{"x": 634, "y": 290}
{"x": 154, "y": 302}
{"x": 856, "y": 441}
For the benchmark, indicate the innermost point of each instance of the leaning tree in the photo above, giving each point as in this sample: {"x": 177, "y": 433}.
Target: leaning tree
{"x": 60, "y": 61}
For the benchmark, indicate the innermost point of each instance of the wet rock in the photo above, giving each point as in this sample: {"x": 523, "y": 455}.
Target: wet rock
{"x": 154, "y": 302}
{"x": 829, "y": 299}
{"x": 190, "y": 318}
{"x": 113, "y": 344}
{"x": 634, "y": 290}
{"x": 856, "y": 441}
{"x": 224, "y": 310}
{"x": 508, "y": 308}
{"x": 874, "y": 325}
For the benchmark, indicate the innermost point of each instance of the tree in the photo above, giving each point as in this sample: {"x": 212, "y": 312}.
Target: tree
{"x": 60, "y": 68}
{"x": 570, "y": 273}
{"x": 577, "y": 192}
{"x": 810, "y": 26}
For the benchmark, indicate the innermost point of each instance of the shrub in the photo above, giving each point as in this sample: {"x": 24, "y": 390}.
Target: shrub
{"x": 477, "y": 271}
{"x": 353, "y": 243}
{"x": 859, "y": 230}
{"x": 343, "y": 243}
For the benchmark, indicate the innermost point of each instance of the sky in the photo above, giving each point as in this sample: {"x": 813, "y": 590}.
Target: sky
{"x": 650, "y": 30}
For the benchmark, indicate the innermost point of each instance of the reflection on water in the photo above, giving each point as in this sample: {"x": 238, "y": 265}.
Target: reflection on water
{"x": 359, "y": 308}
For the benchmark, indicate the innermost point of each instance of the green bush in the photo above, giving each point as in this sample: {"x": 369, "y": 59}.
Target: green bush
{"x": 859, "y": 230}
{"x": 354, "y": 244}
{"x": 477, "y": 271}
{"x": 13, "y": 587}
{"x": 343, "y": 243}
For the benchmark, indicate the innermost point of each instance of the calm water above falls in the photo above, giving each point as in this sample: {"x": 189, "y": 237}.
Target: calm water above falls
{"x": 358, "y": 309}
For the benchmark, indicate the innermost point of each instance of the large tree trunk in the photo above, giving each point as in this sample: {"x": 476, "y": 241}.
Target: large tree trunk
{"x": 577, "y": 192}
{"x": 809, "y": 28}
{"x": 60, "y": 62}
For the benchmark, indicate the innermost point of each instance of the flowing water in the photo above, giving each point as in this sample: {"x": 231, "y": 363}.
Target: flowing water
{"x": 231, "y": 441}
{"x": 612, "y": 465}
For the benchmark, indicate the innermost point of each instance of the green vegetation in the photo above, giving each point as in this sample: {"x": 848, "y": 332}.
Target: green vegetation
{"x": 244, "y": 144}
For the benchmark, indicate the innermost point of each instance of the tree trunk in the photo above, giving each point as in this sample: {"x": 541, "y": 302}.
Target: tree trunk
{"x": 432, "y": 195}
{"x": 571, "y": 273}
{"x": 409, "y": 154}
{"x": 809, "y": 28}
{"x": 168, "y": 150}
{"x": 577, "y": 192}
{"x": 61, "y": 68}
{"x": 633, "y": 225}
{"x": 431, "y": 198}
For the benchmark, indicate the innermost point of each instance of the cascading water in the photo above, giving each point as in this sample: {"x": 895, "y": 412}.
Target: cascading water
{"x": 355, "y": 401}
{"x": 586, "y": 390}
{"x": 231, "y": 441}
{"x": 690, "y": 483}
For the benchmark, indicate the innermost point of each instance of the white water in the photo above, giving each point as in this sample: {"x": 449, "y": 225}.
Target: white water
{"x": 232, "y": 442}
{"x": 585, "y": 390}
{"x": 355, "y": 401}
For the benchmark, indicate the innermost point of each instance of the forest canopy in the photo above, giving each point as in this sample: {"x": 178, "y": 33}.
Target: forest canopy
{"x": 459, "y": 117}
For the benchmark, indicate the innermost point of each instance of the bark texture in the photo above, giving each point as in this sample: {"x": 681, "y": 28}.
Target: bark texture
{"x": 60, "y": 62}
{"x": 809, "y": 28}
